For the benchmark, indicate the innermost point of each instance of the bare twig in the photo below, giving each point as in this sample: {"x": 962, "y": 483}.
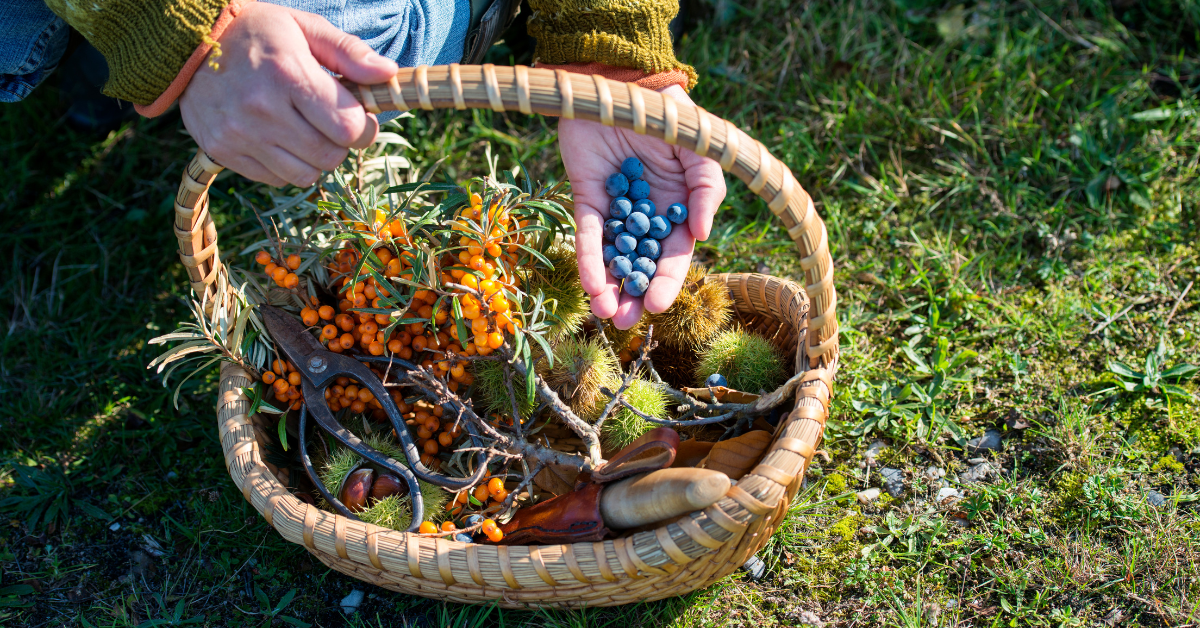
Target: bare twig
{"x": 1177, "y": 302}
{"x": 512, "y": 495}
{"x": 615, "y": 397}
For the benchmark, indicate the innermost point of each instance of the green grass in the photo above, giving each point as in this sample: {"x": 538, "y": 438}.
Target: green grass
{"x": 1010, "y": 197}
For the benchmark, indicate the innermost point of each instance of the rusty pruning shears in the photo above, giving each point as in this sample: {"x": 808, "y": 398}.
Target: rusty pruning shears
{"x": 319, "y": 368}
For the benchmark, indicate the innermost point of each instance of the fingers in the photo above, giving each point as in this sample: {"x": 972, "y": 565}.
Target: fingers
{"x": 672, "y": 270}
{"x": 320, "y": 98}
{"x": 629, "y": 311}
{"x": 307, "y": 143}
{"x": 252, "y": 169}
{"x": 706, "y": 191}
{"x": 604, "y": 304}
{"x": 589, "y": 249}
{"x": 343, "y": 53}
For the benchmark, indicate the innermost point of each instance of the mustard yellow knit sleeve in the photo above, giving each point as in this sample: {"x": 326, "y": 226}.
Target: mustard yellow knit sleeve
{"x": 622, "y": 33}
{"x": 146, "y": 42}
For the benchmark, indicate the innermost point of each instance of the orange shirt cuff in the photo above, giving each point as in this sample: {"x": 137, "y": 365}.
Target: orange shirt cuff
{"x": 626, "y": 75}
{"x": 175, "y": 90}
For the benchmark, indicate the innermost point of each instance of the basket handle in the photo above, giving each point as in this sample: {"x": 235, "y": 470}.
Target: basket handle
{"x": 569, "y": 95}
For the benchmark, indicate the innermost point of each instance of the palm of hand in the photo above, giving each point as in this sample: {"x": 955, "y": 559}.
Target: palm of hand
{"x": 590, "y": 153}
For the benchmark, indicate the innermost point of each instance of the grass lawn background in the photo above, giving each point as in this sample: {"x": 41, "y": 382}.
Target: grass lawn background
{"x": 1011, "y": 196}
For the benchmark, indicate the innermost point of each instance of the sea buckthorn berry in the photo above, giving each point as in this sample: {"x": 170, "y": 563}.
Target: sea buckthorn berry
{"x": 470, "y": 281}
{"x": 263, "y": 258}
{"x": 291, "y": 280}
{"x": 476, "y": 200}
{"x": 427, "y": 527}
{"x": 346, "y": 341}
{"x": 616, "y": 184}
{"x": 281, "y": 385}
{"x": 620, "y": 208}
{"x": 646, "y": 266}
{"x": 645, "y": 207}
{"x": 499, "y": 303}
{"x": 495, "y": 340}
{"x": 448, "y": 526}
{"x": 445, "y": 439}
{"x": 375, "y": 348}
{"x": 279, "y": 366}
{"x": 481, "y": 493}
{"x": 294, "y": 378}
{"x": 660, "y": 227}
{"x": 358, "y": 407}
{"x": 500, "y": 496}
{"x": 632, "y": 168}
{"x": 477, "y": 262}
{"x": 309, "y": 316}
{"x": 457, "y": 371}
{"x": 279, "y": 274}
{"x": 345, "y": 322}
{"x": 637, "y": 225}
{"x": 638, "y": 189}
{"x": 612, "y": 229}
{"x": 494, "y": 250}
{"x": 495, "y": 485}
{"x": 649, "y": 247}
{"x": 424, "y": 433}
{"x": 489, "y": 524}
{"x": 268, "y": 377}
{"x": 293, "y": 261}
{"x": 626, "y": 243}
{"x": 620, "y": 267}
{"x": 419, "y": 343}
{"x": 636, "y": 284}
{"x": 325, "y": 312}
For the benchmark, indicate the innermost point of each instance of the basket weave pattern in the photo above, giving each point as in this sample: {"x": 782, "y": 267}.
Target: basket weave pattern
{"x": 674, "y": 559}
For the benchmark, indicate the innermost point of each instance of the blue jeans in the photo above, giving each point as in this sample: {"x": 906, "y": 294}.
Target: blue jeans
{"x": 411, "y": 32}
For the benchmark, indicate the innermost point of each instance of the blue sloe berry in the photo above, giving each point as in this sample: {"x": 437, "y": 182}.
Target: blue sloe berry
{"x": 638, "y": 189}
{"x": 474, "y": 520}
{"x": 637, "y": 224}
{"x": 649, "y": 247}
{"x": 462, "y": 537}
{"x": 620, "y": 267}
{"x": 716, "y": 379}
{"x": 644, "y": 206}
{"x": 659, "y": 228}
{"x": 636, "y": 284}
{"x": 612, "y": 229}
{"x": 632, "y": 168}
{"x": 626, "y": 243}
{"x": 646, "y": 266}
{"x": 677, "y": 213}
{"x": 610, "y": 252}
{"x": 620, "y": 208}
{"x": 616, "y": 184}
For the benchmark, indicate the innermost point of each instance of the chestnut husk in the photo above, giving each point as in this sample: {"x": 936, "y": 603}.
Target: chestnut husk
{"x": 387, "y": 485}
{"x": 356, "y": 489}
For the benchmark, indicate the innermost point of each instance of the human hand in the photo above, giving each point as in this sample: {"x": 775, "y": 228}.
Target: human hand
{"x": 271, "y": 112}
{"x": 590, "y": 153}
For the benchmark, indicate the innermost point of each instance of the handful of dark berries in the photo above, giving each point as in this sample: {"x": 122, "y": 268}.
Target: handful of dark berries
{"x": 633, "y": 233}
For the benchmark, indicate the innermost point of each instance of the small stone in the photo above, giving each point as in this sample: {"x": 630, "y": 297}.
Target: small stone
{"x": 715, "y": 380}
{"x": 990, "y": 441}
{"x": 868, "y": 496}
{"x": 1155, "y": 498}
{"x": 644, "y": 206}
{"x": 612, "y": 229}
{"x": 626, "y": 243}
{"x": 893, "y": 481}
{"x": 659, "y": 227}
{"x": 171, "y": 475}
{"x": 677, "y": 213}
{"x": 756, "y": 568}
{"x": 637, "y": 225}
{"x": 616, "y": 184}
{"x": 350, "y": 602}
{"x": 948, "y": 495}
{"x": 809, "y": 618}
{"x": 646, "y": 266}
{"x": 620, "y": 208}
{"x": 977, "y": 473}
{"x": 610, "y": 252}
{"x": 934, "y": 474}
{"x": 620, "y": 267}
{"x": 115, "y": 526}
{"x": 649, "y": 247}
{"x": 632, "y": 168}
{"x": 639, "y": 189}
{"x": 636, "y": 284}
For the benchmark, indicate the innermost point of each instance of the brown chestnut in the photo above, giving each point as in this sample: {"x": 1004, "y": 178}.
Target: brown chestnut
{"x": 356, "y": 488}
{"x": 387, "y": 485}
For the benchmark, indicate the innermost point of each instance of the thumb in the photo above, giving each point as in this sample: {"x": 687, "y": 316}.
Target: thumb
{"x": 343, "y": 53}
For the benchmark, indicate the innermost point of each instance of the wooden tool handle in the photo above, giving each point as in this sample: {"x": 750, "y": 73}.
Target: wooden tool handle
{"x": 659, "y": 495}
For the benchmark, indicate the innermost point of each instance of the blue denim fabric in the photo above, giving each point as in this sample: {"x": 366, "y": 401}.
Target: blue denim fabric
{"x": 32, "y": 41}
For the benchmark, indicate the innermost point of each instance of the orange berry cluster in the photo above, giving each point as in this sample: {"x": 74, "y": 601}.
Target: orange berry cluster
{"x": 433, "y": 435}
{"x": 282, "y": 273}
{"x": 626, "y": 354}
{"x": 346, "y": 393}
{"x": 492, "y": 531}
{"x": 284, "y": 378}
{"x": 489, "y": 528}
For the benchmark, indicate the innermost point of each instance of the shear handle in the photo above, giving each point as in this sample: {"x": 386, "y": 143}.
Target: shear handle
{"x": 324, "y": 418}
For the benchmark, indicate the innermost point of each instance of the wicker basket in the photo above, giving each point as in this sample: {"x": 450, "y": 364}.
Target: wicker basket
{"x": 672, "y": 560}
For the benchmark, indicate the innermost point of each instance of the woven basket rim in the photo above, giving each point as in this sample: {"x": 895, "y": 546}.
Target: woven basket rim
{"x": 671, "y": 560}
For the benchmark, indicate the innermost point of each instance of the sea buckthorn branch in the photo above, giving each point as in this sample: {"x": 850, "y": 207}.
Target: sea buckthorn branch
{"x": 615, "y": 397}
{"x": 588, "y": 433}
